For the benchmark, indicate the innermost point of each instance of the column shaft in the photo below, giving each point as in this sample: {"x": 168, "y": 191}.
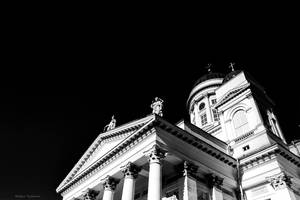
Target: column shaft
{"x": 217, "y": 193}
{"x": 154, "y": 184}
{"x": 128, "y": 189}
{"x": 108, "y": 195}
{"x": 155, "y": 154}
{"x": 109, "y": 186}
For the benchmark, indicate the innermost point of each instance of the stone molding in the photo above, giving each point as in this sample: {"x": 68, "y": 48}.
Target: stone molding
{"x": 110, "y": 183}
{"x": 131, "y": 170}
{"x": 280, "y": 181}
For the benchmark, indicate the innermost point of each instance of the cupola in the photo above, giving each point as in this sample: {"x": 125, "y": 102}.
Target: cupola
{"x": 202, "y": 98}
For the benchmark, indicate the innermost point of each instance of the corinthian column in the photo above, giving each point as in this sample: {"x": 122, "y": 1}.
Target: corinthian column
{"x": 130, "y": 174}
{"x": 109, "y": 188}
{"x": 155, "y": 155}
{"x": 90, "y": 195}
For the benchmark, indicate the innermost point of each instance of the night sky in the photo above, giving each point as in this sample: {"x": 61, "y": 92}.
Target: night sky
{"x": 62, "y": 78}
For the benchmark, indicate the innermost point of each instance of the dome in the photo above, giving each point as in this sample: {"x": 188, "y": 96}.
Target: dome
{"x": 231, "y": 75}
{"x": 208, "y": 76}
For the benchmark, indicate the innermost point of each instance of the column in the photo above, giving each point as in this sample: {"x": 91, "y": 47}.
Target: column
{"x": 130, "y": 174}
{"x": 282, "y": 183}
{"x": 90, "y": 195}
{"x": 109, "y": 186}
{"x": 189, "y": 183}
{"x": 155, "y": 155}
{"x": 215, "y": 182}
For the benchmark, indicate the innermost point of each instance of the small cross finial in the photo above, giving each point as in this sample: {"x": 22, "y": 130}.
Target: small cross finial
{"x": 231, "y": 66}
{"x": 208, "y": 67}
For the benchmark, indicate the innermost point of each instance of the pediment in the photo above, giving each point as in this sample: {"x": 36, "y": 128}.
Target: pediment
{"x": 232, "y": 93}
{"x": 102, "y": 149}
{"x": 103, "y": 144}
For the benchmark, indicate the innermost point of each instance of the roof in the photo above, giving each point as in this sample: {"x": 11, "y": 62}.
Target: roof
{"x": 208, "y": 76}
{"x": 231, "y": 75}
{"x": 232, "y": 93}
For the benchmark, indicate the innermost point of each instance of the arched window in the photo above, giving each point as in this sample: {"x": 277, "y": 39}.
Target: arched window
{"x": 202, "y": 113}
{"x": 240, "y": 123}
{"x": 216, "y": 115}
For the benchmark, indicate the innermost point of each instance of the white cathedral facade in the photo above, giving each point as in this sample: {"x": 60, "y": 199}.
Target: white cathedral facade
{"x": 232, "y": 148}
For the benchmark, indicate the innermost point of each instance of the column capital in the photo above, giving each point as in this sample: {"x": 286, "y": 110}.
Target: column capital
{"x": 280, "y": 181}
{"x": 189, "y": 169}
{"x": 214, "y": 180}
{"x": 156, "y": 154}
{"x": 110, "y": 183}
{"x": 90, "y": 194}
{"x": 131, "y": 170}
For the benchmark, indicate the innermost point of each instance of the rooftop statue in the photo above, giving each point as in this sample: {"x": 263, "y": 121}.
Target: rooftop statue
{"x": 111, "y": 125}
{"x": 157, "y": 106}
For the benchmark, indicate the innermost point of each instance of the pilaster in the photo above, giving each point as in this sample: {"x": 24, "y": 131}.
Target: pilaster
{"x": 282, "y": 183}
{"x": 190, "y": 182}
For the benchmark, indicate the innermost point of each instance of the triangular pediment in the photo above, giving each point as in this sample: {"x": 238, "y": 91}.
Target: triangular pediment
{"x": 103, "y": 149}
{"x": 103, "y": 144}
{"x": 232, "y": 93}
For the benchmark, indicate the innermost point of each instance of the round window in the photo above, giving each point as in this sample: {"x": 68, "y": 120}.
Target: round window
{"x": 201, "y": 106}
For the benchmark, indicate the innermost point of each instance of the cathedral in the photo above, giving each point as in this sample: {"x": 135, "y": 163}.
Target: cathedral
{"x": 231, "y": 148}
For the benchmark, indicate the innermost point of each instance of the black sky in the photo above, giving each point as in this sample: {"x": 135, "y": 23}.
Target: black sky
{"x": 62, "y": 78}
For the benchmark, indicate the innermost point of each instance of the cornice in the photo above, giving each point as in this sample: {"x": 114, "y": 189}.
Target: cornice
{"x": 267, "y": 154}
{"x": 197, "y": 142}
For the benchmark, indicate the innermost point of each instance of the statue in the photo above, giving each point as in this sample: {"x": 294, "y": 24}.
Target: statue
{"x": 111, "y": 125}
{"x": 157, "y": 106}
